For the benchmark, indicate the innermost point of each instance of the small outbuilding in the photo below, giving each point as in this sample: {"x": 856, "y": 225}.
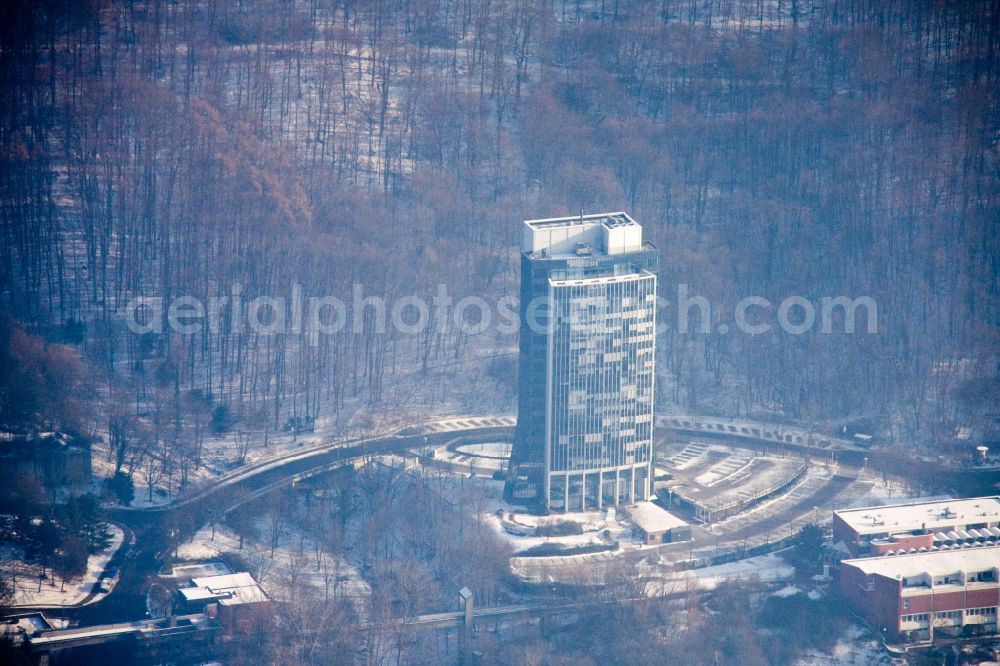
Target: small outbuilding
{"x": 657, "y": 525}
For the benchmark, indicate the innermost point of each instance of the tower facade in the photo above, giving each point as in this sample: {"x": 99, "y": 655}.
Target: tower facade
{"x": 584, "y": 434}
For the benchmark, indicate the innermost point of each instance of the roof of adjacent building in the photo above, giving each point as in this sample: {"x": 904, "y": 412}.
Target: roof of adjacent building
{"x": 227, "y": 589}
{"x": 650, "y": 517}
{"x": 921, "y": 515}
{"x": 188, "y": 572}
{"x": 935, "y": 563}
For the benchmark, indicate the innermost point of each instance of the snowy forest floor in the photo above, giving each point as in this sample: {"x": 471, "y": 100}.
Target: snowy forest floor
{"x": 51, "y": 592}
{"x": 412, "y": 403}
{"x": 289, "y": 565}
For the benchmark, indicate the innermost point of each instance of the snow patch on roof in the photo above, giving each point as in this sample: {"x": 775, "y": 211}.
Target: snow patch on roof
{"x": 926, "y": 515}
{"x": 651, "y": 518}
{"x": 935, "y": 563}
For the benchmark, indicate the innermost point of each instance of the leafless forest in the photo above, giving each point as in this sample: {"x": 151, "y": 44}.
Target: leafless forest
{"x": 846, "y": 147}
{"x": 389, "y": 149}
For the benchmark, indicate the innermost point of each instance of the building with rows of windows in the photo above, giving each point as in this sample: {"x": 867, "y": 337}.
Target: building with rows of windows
{"x": 587, "y": 361}
{"x": 916, "y": 596}
{"x": 925, "y": 568}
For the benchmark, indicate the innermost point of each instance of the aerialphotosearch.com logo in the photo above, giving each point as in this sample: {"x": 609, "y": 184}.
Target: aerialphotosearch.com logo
{"x": 319, "y": 316}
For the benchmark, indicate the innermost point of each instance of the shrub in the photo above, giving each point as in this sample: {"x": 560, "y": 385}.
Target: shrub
{"x": 222, "y": 420}
{"x": 121, "y": 486}
{"x": 551, "y": 549}
{"x": 559, "y": 528}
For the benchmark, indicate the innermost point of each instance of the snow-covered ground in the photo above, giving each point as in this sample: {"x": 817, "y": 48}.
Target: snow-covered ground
{"x": 220, "y": 453}
{"x": 856, "y": 646}
{"x": 599, "y": 527}
{"x": 604, "y": 527}
{"x": 499, "y": 450}
{"x": 455, "y": 460}
{"x": 766, "y": 569}
{"x": 185, "y": 571}
{"x": 52, "y": 593}
{"x": 786, "y": 591}
{"x": 287, "y": 567}
{"x": 219, "y": 458}
{"x": 594, "y": 525}
{"x": 883, "y": 492}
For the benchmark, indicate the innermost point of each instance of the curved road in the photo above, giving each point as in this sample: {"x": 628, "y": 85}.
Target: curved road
{"x": 155, "y": 527}
{"x": 960, "y": 481}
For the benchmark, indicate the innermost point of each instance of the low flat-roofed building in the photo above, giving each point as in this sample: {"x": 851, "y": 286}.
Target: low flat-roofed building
{"x": 658, "y": 525}
{"x": 877, "y": 530}
{"x": 226, "y": 590}
{"x": 231, "y": 598}
{"x": 914, "y": 595}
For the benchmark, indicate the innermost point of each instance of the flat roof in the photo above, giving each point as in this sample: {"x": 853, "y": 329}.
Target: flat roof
{"x": 926, "y": 515}
{"x": 650, "y": 517}
{"x": 611, "y": 220}
{"x": 230, "y": 589}
{"x": 199, "y": 570}
{"x": 197, "y": 593}
{"x": 935, "y": 563}
{"x": 582, "y": 236}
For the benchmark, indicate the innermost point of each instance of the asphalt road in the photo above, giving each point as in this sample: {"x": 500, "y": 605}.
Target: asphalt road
{"x": 152, "y": 528}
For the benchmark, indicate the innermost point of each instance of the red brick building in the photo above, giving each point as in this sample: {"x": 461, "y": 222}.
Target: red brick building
{"x": 915, "y": 596}
{"x": 918, "y": 526}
